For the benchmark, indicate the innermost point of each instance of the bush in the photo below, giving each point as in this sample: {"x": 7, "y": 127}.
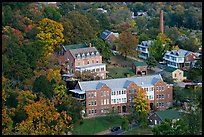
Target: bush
{"x": 144, "y": 124}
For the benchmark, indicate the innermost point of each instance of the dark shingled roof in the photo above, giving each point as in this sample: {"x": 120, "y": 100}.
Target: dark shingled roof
{"x": 140, "y": 63}
{"x": 105, "y": 34}
{"x": 168, "y": 114}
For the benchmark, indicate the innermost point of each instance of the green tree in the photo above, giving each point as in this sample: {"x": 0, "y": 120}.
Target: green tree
{"x": 127, "y": 44}
{"x": 125, "y": 124}
{"x": 151, "y": 62}
{"x": 103, "y": 47}
{"x": 51, "y": 13}
{"x": 77, "y": 28}
{"x": 42, "y": 85}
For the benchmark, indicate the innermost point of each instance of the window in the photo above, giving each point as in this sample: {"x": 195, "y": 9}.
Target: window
{"x": 95, "y": 102}
{"x": 101, "y": 94}
{"x": 92, "y": 95}
{"x": 97, "y": 69}
{"x": 107, "y": 101}
{"x": 93, "y": 70}
{"x": 157, "y": 88}
{"x": 89, "y": 103}
{"x": 162, "y": 88}
{"x": 104, "y": 101}
{"x": 159, "y": 103}
{"x": 163, "y": 96}
{"x": 78, "y": 63}
{"x": 152, "y": 89}
{"x": 97, "y": 61}
{"x": 92, "y": 103}
{"x": 147, "y": 97}
{"x": 104, "y": 93}
{"x": 95, "y": 110}
{"x": 174, "y": 75}
{"x": 114, "y": 100}
{"x": 112, "y": 93}
{"x": 92, "y": 61}
{"x": 119, "y": 92}
{"x": 124, "y": 92}
{"x": 119, "y": 100}
{"x": 168, "y": 95}
{"x": 101, "y": 101}
{"x": 102, "y": 69}
{"x": 83, "y": 55}
{"x": 107, "y": 93}
{"x": 162, "y": 104}
{"x": 89, "y": 95}
{"x": 150, "y": 97}
{"x": 92, "y": 111}
{"x": 88, "y": 62}
{"x": 157, "y": 95}
{"x": 102, "y": 110}
{"x": 89, "y": 111}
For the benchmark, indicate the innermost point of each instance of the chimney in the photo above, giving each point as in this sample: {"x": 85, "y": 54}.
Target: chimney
{"x": 89, "y": 44}
{"x": 162, "y": 21}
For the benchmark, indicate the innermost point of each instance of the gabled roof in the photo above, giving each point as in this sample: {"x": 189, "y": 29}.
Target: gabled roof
{"x": 105, "y": 34}
{"x": 100, "y": 85}
{"x": 179, "y": 52}
{"x": 170, "y": 69}
{"x": 140, "y": 63}
{"x": 168, "y": 114}
{"x": 84, "y": 51}
{"x": 75, "y": 46}
{"x": 121, "y": 83}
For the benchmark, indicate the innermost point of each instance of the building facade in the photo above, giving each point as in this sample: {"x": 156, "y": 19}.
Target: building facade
{"x": 109, "y": 37}
{"x": 180, "y": 58}
{"x": 102, "y": 96}
{"x": 143, "y": 48}
{"x": 140, "y": 68}
{"x": 84, "y": 59}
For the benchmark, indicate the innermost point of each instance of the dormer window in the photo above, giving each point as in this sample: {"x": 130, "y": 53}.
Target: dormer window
{"x": 78, "y": 56}
{"x": 92, "y": 54}
{"x": 83, "y": 55}
{"x": 88, "y": 55}
{"x": 97, "y": 53}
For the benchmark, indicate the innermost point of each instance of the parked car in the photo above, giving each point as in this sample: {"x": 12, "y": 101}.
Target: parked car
{"x": 115, "y": 129}
{"x": 187, "y": 80}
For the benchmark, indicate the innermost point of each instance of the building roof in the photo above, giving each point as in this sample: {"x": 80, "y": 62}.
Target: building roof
{"x": 85, "y": 51}
{"x": 146, "y": 43}
{"x": 105, "y": 34}
{"x": 90, "y": 65}
{"x": 140, "y": 63}
{"x": 120, "y": 83}
{"x": 168, "y": 114}
{"x": 75, "y": 46}
{"x": 179, "y": 52}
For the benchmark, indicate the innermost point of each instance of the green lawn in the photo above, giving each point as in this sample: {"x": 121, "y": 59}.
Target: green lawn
{"x": 119, "y": 72}
{"x": 118, "y": 59}
{"x": 139, "y": 131}
{"x": 94, "y": 125}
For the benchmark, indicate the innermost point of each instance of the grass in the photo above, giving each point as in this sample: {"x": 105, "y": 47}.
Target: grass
{"x": 94, "y": 125}
{"x": 118, "y": 59}
{"x": 120, "y": 72}
{"x": 139, "y": 131}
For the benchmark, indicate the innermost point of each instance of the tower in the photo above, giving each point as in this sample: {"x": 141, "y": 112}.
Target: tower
{"x": 162, "y": 21}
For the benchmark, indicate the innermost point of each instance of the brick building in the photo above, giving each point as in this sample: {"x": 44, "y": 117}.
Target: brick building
{"x": 140, "y": 68}
{"x": 100, "y": 96}
{"x": 82, "y": 58}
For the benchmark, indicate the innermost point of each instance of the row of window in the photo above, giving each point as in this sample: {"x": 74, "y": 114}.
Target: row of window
{"x": 160, "y": 104}
{"x": 78, "y": 64}
{"x": 160, "y": 96}
{"x": 91, "y": 94}
{"x": 104, "y": 93}
{"x": 104, "y": 101}
{"x": 150, "y": 97}
{"x": 87, "y": 55}
{"x": 118, "y": 92}
{"x": 160, "y": 88}
{"x": 92, "y": 103}
{"x": 149, "y": 89}
{"x": 118, "y": 100}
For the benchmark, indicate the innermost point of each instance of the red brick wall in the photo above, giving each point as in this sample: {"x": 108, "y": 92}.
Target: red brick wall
{"x": 190, "y": 57}
{"x": 166, "y": 91}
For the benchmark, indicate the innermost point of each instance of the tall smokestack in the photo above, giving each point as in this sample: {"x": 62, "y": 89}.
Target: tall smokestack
{"x": 162, "y": 21}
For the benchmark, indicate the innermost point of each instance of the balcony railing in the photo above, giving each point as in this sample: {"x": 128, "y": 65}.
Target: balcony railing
{"x": 171, "y": 60}
{"x": 142, "y": 56}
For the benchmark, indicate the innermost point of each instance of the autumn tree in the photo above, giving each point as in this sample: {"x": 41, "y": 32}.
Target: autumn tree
{"x": 51, "y": 13}
{"x": 142, "y": 107}
{"x": 126, "y": 44}
{"x": 43, "y": 119}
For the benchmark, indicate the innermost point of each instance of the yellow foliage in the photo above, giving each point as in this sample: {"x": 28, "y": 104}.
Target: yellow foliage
{"x": 175, "y": 47}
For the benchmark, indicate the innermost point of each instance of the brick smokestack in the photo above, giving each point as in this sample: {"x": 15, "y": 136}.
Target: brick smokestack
{"x": 162, "y": 21}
